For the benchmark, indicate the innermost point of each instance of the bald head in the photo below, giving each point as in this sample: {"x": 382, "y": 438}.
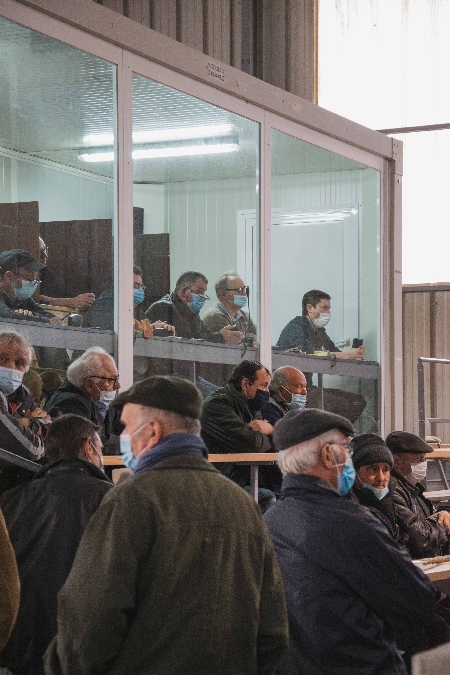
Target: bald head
{"x": 287, "y": 381}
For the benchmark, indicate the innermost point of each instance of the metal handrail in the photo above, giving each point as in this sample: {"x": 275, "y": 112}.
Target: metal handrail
{"x": 16, "y": 460}
{"x": 423, "y": 421}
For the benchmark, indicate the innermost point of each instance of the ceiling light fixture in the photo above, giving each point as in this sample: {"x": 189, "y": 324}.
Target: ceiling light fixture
{"x": 158, "y": 135}
{"x": 151, "y": 153}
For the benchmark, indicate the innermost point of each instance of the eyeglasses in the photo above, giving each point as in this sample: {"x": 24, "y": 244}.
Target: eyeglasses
{"x": 33, "y": 282}
{"x": 348, "y": 446}
{"x": 114, "y": 380}
{"x": 202, "y": 295}
{"x": 44, "y": 251}
{"x": 138, "y": 287}
{"x": 241, "y": 289}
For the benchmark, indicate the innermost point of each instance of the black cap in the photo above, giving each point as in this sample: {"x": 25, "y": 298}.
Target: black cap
{"x": 403, "y": 441}
{"x": 17, "y": 257}
{"x": 298, "y": 426}
{"x": 370, "y": 449}
{"x": 166, "y": 393}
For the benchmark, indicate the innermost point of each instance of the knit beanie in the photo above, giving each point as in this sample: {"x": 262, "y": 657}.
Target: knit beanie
{"x": 370, "y": 449}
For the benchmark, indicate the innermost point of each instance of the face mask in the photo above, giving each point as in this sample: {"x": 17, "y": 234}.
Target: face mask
{"x": 102, "y": 464}
{"x": 196, "y": 303}
{"x": 138, "y": 296}
{"x": 240, "y": 300}
{"x": 298, "y": 402}
{"x": 106, "y": 397}
{"x": 322, "y": 320}
{"x": 10, "y": 380}
{"x": 260, "y": 400}
{"x": 379, "y": 493}
{"x": 129, "y": 459}
{"x": 346, "y": 478}
{"x": 419, "y": 471}
{"x": 27, "y": 290}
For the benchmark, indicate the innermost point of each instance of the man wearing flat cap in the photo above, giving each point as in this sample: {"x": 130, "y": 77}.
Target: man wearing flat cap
{"x": 176, "y": 572}
{"x": 427, "y": 529}
{"x": 18, "y": 282}
{"x": 354, "y": 597}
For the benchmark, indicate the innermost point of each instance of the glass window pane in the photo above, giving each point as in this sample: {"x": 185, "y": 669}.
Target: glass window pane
{"x": 57, "y": 184}
{"x": 196, "y": 209}
{"x": 325, "y": 275}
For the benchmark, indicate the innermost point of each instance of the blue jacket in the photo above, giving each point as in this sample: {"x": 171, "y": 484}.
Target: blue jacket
{"x": 351, "y": 592}
{"x": 301, "y": 333}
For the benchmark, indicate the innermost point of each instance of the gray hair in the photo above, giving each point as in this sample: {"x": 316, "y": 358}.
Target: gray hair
{"x": 222, "y": 284}
{"x": 279, "y": 378}
{"x": 12, "y": 338}
{"x": 170, "y": 421}
{"x": 188, "y": 278}
{"x": 301, "y": 458}
{"x": 86, "y": 365}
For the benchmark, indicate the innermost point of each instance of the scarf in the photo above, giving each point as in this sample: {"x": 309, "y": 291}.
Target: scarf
{"x": 174, "y": 444}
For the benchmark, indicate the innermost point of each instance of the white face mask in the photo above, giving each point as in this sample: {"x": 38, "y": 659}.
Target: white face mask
{"x": 419, "y": 471}
{"x": 322, "y": 320}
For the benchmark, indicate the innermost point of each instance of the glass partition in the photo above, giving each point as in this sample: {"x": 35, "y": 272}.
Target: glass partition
{"x": 196, "y": 235}
{"x": 325, "y": 275}
{"x": 57, "y": 189}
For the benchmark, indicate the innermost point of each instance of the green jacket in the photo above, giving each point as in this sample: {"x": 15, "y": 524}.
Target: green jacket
{"x": 215, "y": 319}
{"x": 175, "y": 575}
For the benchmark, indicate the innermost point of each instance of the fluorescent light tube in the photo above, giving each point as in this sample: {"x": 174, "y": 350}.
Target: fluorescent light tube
{"x": 151, "y": 153}
{"x": 157, "y": 135}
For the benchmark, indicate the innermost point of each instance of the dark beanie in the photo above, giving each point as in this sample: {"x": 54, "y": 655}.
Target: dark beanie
{"x": 370, "y": 449}
{"x": 166, "y": 393}
{"x": 403, "y": 441}
{"x": 298, "y": 426}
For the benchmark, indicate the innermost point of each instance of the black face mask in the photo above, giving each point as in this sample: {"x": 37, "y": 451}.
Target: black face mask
{"x": 260, "y": 400}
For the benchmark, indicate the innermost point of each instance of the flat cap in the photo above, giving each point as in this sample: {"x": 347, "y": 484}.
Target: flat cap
{"x": 298, "y": 426}
{"x": 370, "y": 449}
{"x": 403, "y": 441}
{"x": 17, "y": 257}
{"x": 166, "y": 393}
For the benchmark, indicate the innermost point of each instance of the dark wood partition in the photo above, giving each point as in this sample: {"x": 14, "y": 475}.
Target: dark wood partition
{"x": 19, "y": 227}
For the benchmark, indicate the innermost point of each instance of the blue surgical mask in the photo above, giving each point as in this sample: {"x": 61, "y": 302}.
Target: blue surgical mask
{"x": 129, "y": 459}
{"x": 10, "y": 380}
{"x": 138, "y": 296}
{"x": 240, "y": 300}
{"x": 27, "y": 290}
{"x": 298, "y": 401}
{"x": 346, "y": 479}
{"x": 379, "y": 493}
{"x": 106, "y": 397}
{"x": 196, "y": 303}
{"x": 260, "y": 400}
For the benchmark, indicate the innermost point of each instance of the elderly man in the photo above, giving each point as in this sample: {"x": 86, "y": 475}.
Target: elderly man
{"x": 229, "y": 310}
{"x": 52, "y": 292}
{"x": 181, "y": 310}
{"x": 354, "y": 597}
{"x": 22, "y": 422}
{"x": 18, "y": 282}
{"x": 176, "y": 572}
{"x": 51, "y": 511}
{"x": 427, "y": 530}
{"x": 91, "y": 386}
{"x": 287, "y": 392}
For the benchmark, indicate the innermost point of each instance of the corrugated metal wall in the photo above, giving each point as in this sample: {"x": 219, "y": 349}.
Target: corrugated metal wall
{"x": 426, "y": 319}
{"x": 270, "y": 39}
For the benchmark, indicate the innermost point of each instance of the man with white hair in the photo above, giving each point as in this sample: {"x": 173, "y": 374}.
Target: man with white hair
{"x": 354, "y": 597}
{"x": 176, "y": 572}
{"x": 287, "y": 392}
{"x": 91, "y": 386}
{"x": 22, "y": 422}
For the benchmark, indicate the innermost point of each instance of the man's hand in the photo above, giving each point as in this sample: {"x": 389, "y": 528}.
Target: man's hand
{"x": 355, "y": 353}
{"x": 443, "y": 518}
{"x": 262, "y": 426}
{"x": 25, "y": 312}
{"x": 144, "y": 327}
{"x": 165, "y": 326}
{"x": 55, "y": 321}
{"x": 82, "y": 301}
{"x": 230, "y": 336}
{"x": 38, "y": 412}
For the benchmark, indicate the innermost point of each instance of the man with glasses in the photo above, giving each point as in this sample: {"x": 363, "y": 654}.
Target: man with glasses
{"x": 91, "y": 386}
{"x": 182, "y": 307}
{"x": 354, "y": 596}
{"x": 229, "y": 310}
{"x": 18, "y": 282}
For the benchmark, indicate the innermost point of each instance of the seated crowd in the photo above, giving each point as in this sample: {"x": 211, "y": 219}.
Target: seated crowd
{"x": 173, "y": 570}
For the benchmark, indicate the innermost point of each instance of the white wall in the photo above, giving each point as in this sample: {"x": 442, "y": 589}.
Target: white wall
{"x": 152, "y": 199}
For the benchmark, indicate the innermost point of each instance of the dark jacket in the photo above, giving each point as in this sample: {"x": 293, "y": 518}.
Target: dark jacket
{"x": 187, "y": 324}
{"x": 425, "y": 538}
{"x": 275, "y": 409}
{"x": 9, "y": 585}
{"x": 301, "y": 333}
{"x": 383, "y": 509}
{"x": 14, "y": 437}
{"x": 101, "y": 314}
{"x": 46, "y": 518}
{"x": 8, "y": 307}
{"x": 176, "y": 573}
{"x": 69, "y": 399}
{"x": 351, "y": 592}
{"x": 225, "y": 429}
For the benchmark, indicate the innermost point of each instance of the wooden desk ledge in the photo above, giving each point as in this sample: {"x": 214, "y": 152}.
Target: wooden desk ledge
{"x": 240, "y": 458}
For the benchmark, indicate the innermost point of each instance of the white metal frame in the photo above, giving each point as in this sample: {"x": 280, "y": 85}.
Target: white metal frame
{"x": 128, "y": 62}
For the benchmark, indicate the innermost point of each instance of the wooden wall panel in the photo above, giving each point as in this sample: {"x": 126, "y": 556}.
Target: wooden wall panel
{"x": 284, "y": 32}
{"x": 19, "y": 227}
